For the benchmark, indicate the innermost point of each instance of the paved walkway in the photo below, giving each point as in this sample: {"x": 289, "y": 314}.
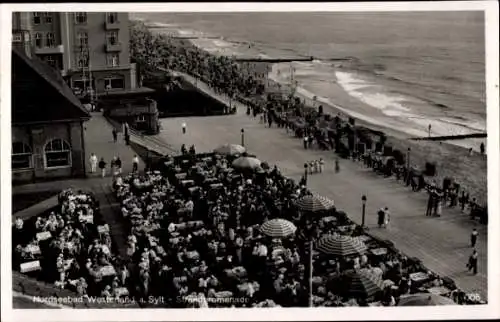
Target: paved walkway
{"x": 99, "y": 140}
{"x": 441, "y": 243}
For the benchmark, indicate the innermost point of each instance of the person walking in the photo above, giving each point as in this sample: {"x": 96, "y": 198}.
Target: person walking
{"x": 184, "y": 126}
{"x": 118, "y": 164}
{"x": 321, "y": 165}
{"x": 337, "y": 166}
{"x": 430, "y": 203}
{"x": 473, "y": 238}
{"x": 113, "y": 166}
{"x": 115, "y": 135}
{"x": 439, "y": 206}
{"x": 387, "y": 217}
{"x": 93, "y": 163}
{"x": 125, "y": 129}
{"x": 102, "y": 166}
{"x": 381, "y": 218}
{"x": 472, "y": 264}
{"x": 436, "y": 203}
{"x": 305, "y": 141}
{"x": 135, "y": 163}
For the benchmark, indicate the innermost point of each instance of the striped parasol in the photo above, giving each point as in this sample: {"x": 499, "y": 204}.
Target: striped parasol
{"x": 363, "y": 285}
{"x": 340, "y": 245}
{"x": 278, "y": 228}
{"x": 230, "y": 149}
{"x": 314, "y": 203}
{"x": 246, "y": 163}
{"x": 425, "y": 299}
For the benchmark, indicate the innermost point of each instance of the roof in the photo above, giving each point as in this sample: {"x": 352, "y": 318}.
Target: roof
{"x": 40, "y": 94}
{"x": 129, "y": 92}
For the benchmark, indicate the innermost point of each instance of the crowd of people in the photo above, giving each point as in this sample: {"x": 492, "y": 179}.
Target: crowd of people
{"x": 245, "y": 84}
{"x": 69, "y": 246}
{"x": 449, "y": 193}
{"x": 195, "y": 240}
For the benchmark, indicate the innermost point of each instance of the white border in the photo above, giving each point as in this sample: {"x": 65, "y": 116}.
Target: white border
{"x": 456, "y": 312}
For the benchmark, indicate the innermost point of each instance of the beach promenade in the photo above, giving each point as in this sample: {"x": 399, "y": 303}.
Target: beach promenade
{"x": 441, "y": 243}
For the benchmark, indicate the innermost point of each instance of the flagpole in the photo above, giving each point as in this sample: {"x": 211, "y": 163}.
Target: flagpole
{"x": 90, "y": 77}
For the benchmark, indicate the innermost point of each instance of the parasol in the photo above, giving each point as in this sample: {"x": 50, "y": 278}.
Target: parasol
{"x": 314, "y": 203}
{"x": 363, "y": 285}
{"x": 230, "y": 149}
{"x": 278, "y": 228}
{"x": 246, "y": 163}
{"x": 340, "y": 245}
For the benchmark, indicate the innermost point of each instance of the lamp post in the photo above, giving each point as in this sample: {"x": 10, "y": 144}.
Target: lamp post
{"x": 408, "y": 166}
{"x": 311, "y": 232}
{"x": 363, "y": 201}
{"x": 243, "y": 137}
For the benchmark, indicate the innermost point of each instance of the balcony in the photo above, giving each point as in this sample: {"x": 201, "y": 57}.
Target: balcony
{"x": 113, "y": 47}
{"x": 102, "y": 68}
{"x": 112, "y": 24}
{"x": 49, "y": 50}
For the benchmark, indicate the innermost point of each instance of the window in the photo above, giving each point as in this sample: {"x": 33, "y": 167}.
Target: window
{"x": 78, "y": 84}
{"x": 17, "y": 38}
{"x": 50, "y": 41}
{"x": 112, "y": 37}
{"x": 80, "y": 17}
{"x": 57, "y": 154}
{"x": 21, "y": 155}
{"x": 113, "y": 60}
{"x": 83, "y": 38}
{"x": 140, "y": 118}
{"x": 83, "y": 60}
{"x": 48, "y": 17}
{"x": 38, "y": 40}
{"x": 37, "y": 19}
{"x": 112, "y": 17}
{"x": 113, "y": 83}
{"x": 51, "y": 60}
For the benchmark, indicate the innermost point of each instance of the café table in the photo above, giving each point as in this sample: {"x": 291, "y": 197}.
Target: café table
{"x": 344, "y": 228}
{"x": 379, "y": 251}
{"x": 364, "y": 238}
{"x": 329, "y": 219}
{"x": 187, "y": 182}
{"x": 181, "y": 176}
{"x": 439, "y": 290}
{"x": 419, "y": 277}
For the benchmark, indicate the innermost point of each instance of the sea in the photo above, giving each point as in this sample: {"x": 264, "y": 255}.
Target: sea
{"x": 407, "y": 70}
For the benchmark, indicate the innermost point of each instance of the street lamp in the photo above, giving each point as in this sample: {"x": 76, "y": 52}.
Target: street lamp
{"x": 305, "y": 171}
{"x": 363, "y": 201}
{"x": 243, "y": 137}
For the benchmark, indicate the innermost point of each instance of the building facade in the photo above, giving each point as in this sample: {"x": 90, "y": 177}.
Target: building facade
{"x": 90, "y": 49}
{"x": 48, "y": 138}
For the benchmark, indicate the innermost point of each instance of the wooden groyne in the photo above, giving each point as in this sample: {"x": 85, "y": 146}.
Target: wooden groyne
{"x": 272, "y": 60}
{"x": 451, "y": 137}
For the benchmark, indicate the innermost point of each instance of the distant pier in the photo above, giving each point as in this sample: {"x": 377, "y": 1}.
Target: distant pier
{"x": 271, "y": 60}
{"x": 451, "y": 137}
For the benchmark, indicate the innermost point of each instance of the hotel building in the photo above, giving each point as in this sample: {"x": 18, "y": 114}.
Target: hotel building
{"x": 90, "y": 49}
